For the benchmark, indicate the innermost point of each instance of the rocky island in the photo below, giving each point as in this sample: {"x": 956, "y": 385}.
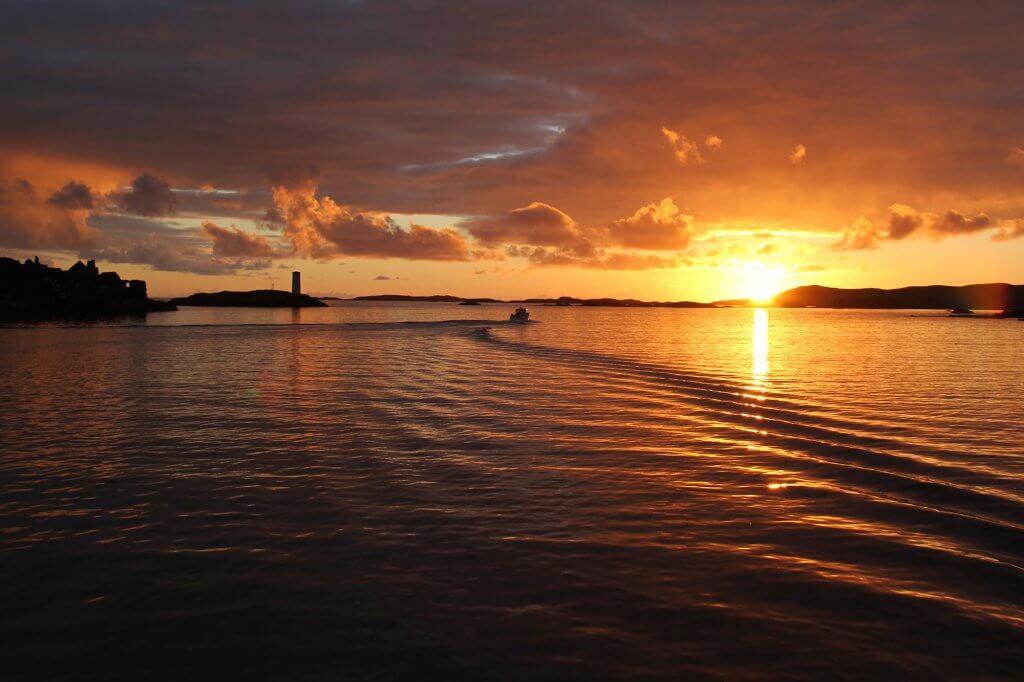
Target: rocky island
{"x": 30, "y": 290}
{"x": 261, "y": 298}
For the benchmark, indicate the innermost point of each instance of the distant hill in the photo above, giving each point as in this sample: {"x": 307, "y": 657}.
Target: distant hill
{"x": 31, "y": 290}
{"x": 261, "y": 298}
{"x": 563, "y": 300}
{"x": 616, "y": 303}
{"x": 427, "y": 299}
{"x": 973, "y": 296}
{"x": 634, "y": 303}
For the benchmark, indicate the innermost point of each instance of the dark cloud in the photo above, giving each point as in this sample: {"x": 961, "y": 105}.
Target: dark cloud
{"x": 148, "y": 196}
{"x": 903, "y": 221}
{"x": 954, "y": 223}
{"x": 255, "y": 205}
{"x": 74, "y": 196}
{"x": 565, "y": 101}
{"x": 572, "y": 101}
{"x": 163, "y": 254}
{"x": 233, "y": 242}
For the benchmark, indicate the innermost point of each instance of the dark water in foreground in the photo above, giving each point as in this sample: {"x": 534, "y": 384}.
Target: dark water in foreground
{"x": 610, "y": 494}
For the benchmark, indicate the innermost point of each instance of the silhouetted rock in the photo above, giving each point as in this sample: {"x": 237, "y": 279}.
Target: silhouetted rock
{"x": 31, "y": 290}
{"x": 261, "y": 298}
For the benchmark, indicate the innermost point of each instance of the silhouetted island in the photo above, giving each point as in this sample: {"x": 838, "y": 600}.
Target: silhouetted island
{"x": 426, "y": 299}
{"x": 561, "y": 301}
{"x": 31, "y": 290}
{"x": 261, "y": 298}
{"x": 970, "y": 297}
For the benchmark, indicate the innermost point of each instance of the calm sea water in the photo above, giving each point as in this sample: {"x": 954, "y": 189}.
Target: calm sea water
{"x": 369, "y": 492}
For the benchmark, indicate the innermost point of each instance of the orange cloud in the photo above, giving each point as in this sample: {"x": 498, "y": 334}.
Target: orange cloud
{"x": 660, "y": 226}
{"x": 798, "y": 155}
{"x": 861, "y": 235}
{"x": 318, "y": 227}
{"x": 234, "y": 242}
{"x": 28, "y": 221}
{"x": 686, "y": 151}
{"x": 537, "y": 223}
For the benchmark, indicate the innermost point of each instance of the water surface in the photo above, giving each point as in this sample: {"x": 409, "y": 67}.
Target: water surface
{"x": 396, "y": 491}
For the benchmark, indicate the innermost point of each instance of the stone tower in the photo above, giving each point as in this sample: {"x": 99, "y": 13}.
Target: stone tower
{"x": 296, "y": 283}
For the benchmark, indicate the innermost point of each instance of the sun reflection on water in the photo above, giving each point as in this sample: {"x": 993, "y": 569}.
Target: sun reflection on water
{"x": 760, "y": 344}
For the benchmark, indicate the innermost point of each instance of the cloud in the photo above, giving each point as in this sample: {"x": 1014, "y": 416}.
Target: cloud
{"x": 798, "y": 155}
{"x": 233, "y": 242}
{"x": 148, "y": 196}
{"x": 383, "y": 278}
{"x": 1016, "y": 156}
{"x": 600, "y": 259}
{"x": 954, "y": 223}
{"x": 318, "y": 227}
{"x": 858, "y": 236}
{"x": 1009, "y": 229}
{"x": 163, "y": 254}
{"x": 28, "y": 222}
{"x": 686, "y": 152}
{"x": 713, "y": 142}
{"x": 537, "y": 223}
{"x": 903, "y": 221}
{"x": 74, "y": 196}
{"x": 590, "y": 95}
{"x": 654, "y": 226}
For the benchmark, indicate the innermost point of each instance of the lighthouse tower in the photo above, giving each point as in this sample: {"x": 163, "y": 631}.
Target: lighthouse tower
{"x": 296, "y": 283}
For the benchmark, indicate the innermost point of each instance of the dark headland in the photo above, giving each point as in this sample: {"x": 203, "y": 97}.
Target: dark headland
{"x": 33, "y": 291}
{"x": 1006, "y": 297}
{"x": 261, "y": 298}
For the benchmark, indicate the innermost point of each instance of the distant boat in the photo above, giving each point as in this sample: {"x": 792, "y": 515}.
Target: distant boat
{"x": 961, "y": 312}
{"x": 521, "y": 315}
{"x": 470, "y": 303}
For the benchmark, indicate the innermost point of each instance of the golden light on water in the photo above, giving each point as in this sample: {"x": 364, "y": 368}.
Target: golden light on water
{"x": 760, "y": 343}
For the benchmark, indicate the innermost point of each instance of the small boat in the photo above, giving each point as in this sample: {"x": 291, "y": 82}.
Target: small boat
{"x": 961, "y": 312}
{"x": 521, "y": 315}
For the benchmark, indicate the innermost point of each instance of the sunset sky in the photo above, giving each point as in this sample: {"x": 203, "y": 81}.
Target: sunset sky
{"x": 698, "y": 150}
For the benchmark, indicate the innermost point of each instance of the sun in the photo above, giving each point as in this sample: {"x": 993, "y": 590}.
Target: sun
{"x": 760, "y": 282}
